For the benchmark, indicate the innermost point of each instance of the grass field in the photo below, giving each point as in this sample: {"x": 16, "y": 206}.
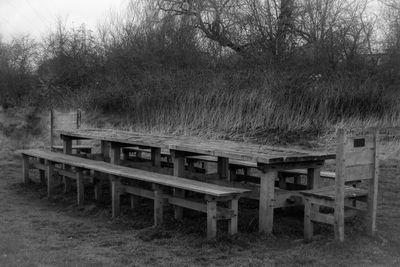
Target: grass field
{"x": 36, "y": 231}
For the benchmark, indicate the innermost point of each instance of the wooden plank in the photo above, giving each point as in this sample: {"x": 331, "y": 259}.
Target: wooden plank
{"x": 323, "y": 174}
{"x": 323, "y": 218}
{"x": 186, "y": 203}
{"x": 145, "y": 193}
{"x": 136, "y": 174}
{"x": 80, "y": 188}
{"x": 25, "y": 169}
{"x": 266, "y": 209}
{"x": 211, "y": 219}
{"x": 365, "y": 157}
{"x": 356, "y": 173}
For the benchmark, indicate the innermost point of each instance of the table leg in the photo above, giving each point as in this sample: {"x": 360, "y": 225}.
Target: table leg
{"x": 156, "y": 156}
{"x": 67, "y": 149}
{"x": 223, "y": 167}
{"x": 115, "y": 154}
{"x": 105, "y": 150}
{"x": 313, "y": 177}
{"x": 267, "y": 199}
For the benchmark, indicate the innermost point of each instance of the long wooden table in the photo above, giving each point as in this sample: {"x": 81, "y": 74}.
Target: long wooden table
{"x": 269, "y": 159}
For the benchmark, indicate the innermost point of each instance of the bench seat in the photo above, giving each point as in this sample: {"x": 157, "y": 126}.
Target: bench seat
{"x": 160, "y": 182}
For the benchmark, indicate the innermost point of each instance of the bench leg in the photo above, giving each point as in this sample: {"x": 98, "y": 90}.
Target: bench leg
{"x": 339, "y": 223}
{"x": 158, "y": 207}
{"x": 115, "y": 196}
{"x": 211, "y": 219}
{"x": 135, "y": 202}
{"x": 308, "y": 224}
{"x": 67, "y": 184}
{"x": 233, "y": 222}
{"x": 42, "y": 173}
{"x": 372, "y": 200}
{"x": 50, "y": 179}
{"x": 80, "y": 188}
{"x": 282, "y": 182}
{"x": 178, "y": 211}
{"x": 25, "y": 169}
{"x": 191, "y": 167}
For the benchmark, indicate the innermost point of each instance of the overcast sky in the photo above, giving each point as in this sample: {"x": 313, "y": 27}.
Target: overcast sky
{"x": 36, "y": 17}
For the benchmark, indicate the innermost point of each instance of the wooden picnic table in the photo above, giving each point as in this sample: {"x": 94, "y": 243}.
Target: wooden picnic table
{"x": 268, "y": 159}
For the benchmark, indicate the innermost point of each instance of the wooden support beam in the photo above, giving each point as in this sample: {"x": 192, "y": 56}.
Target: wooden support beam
{"x": 115, "y": 195}
{"x": 233, "y": 222}
{"x": 308, "y": 224}
{"x": 80, "y": 187}
{"x": 115, "y": 154}
{"x": 25, "y": 169}
{"x": 223, "y": 167}
{"x": 211, "y": 219}
{"x": 313, "y": 177}
{"x": 156, "y": 156}
{"x": 266, "y": 210}
{"x": 178, "y": 159}
{"x": 50, "y": 179}
{"x": 158, "y": 205}
{"x": 42, "y": 173}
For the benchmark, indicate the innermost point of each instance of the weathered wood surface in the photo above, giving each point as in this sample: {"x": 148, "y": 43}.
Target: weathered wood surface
{"x": 262, "y": 154}
{"x": 126, "y": 172}
{"x": 328, "y": 192}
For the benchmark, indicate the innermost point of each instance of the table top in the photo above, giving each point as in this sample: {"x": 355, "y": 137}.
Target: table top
{"x": 262, "y": 154}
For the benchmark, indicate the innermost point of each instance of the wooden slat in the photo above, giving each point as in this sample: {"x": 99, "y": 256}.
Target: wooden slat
{"x": 364, "y": 157}
{"x": 104, "y": 167}
{"x": 362, "y": 172}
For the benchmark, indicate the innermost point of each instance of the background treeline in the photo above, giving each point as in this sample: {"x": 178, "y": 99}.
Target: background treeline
{"x": 224, "y": 66}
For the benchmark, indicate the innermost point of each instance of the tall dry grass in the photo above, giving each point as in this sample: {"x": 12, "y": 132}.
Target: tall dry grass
{"x": 235, "y": 104}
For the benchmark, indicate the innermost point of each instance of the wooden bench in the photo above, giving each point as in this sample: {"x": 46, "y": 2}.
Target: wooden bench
{"x": 356, "y": 160}
{"x": 161, "y": 185}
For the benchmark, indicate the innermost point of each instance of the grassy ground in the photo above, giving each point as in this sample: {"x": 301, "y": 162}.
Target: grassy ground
{"x": 36, "y": 231}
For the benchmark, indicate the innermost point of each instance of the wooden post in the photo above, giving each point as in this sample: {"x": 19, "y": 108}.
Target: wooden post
{"x": 191, "y": 167}
{"x": 233, "y": 222}
{"x": 25, "y": 169}
{"x": 372, "y": 199}
{"x": 105, "y": 150}
{"x": 158, "y": 205}
{"x": 232, "y": 174}
{"x": 50, "y": 179}
{"x": 156, "y": 156}
{"x": 211, "y": 219}
{"x": 308, "y": 224}
{"x": 51, "y": 115}
{"x": 80, "y": 187}
{"x": 266, "y": 210}
{"x": 115, "y": 154}
{"x": 115, "y": 195}
{"x": 179, "y": 169}
{"x": 313, "y": 177}
{"x": 135, "y": 202}
{"x": 223, "y": 167}
{"x": 67, "y": 149}
{"x": 282, "y": 181}
{"x": 339, "y": 186}
{"x": 42, "y": 173}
